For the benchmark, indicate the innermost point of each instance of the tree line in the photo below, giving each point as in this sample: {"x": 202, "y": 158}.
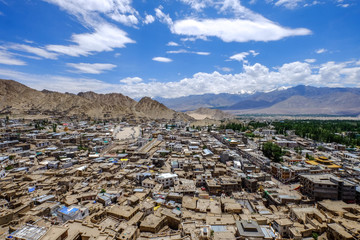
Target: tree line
{"x": 339, "y": 131}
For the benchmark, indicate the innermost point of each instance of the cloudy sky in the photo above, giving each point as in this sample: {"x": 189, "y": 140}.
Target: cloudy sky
{"x": 173, "y": 48}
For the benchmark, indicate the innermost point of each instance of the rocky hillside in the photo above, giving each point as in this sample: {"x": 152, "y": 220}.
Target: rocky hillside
{"x": 16, "y": 98}
{"x": 203, "y": 113}
{"x": 153, "y": 109}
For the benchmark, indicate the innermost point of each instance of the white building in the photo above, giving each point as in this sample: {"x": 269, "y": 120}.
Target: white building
{"x": 166, "y": 179}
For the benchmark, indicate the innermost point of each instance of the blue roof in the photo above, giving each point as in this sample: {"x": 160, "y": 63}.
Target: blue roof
{"x": 68, "y": 211}
{"x": 138, "y": 190}
{"x": 207, "y": 151}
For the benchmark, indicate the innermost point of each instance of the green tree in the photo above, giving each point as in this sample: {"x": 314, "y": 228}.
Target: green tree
{"x": 273, "y": 151}
{"x": 321, "y": 148}
{"x": 9, "y": 167}
{"x": 315, "y": 235}
{"x": 309, "y": 157}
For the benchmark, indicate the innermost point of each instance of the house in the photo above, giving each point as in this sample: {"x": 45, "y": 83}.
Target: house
{"x": 148, "y": 183}
{"x": 166, "y": 179}
{"x": 249, "y": 229}
{"x": 71, "y": 213}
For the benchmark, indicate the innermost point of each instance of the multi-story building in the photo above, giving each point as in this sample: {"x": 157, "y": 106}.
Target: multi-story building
{"x": 327, "y": 186}
{"x": 166, "y": 179}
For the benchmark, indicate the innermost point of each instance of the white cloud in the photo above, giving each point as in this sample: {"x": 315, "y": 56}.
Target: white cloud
{"x": 88, "y": 11}
{"x": 178, "y": 51}
{"x": 162, "y": 59}
{"x": 236, "y": 30}
{"x": 245, "y": 26}
{"x": 202, "y": 53}
{"x": 186, "y": 51}
{"x": 91, "y": 68}
{"x": 310, "y": 60}
{"x": 198, "y": 5}
{"x": 321, "y": 50}
{"x": 95, "y": 15}
{"x": 313, "y": 3}
{"x": 291, "y": 4}
{"x": 241, "y": 57}
{"x": 239, "y": 10}
{"x": 255, "y": 77}
{"x": 8, "y": 59}
{"x": 344, "y": 5}
{"x": 34, "y": 50}
{"x": 131, "y": 80}
{"x": 164, "y": 18}
{"x": 149, "y": 19}
{"x": 225, "y": 69}
{"x": 193, "y": 39}
{"x": 254, "y": 53}
{"x": 128, "y": 20}
{"x": 105, "y": 37}
{"x": 172, "y": 44}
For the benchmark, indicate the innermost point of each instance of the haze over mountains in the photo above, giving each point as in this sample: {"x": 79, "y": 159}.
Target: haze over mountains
{"x": 193, "y": 102}
{"x": 16, "y": 98}
{"x": 207, "y": 113}
{"x": 300, "y": 100}
{"x": 297, "y": 100}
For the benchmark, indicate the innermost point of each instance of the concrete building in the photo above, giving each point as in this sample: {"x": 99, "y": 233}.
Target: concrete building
{"x": 327, "y": 186}
{"x": 249, "y": 229}
{"x": 166, "y": 179}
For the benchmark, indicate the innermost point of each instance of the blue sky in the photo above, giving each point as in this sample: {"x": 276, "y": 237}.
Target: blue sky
{"x": 173, "y": 48}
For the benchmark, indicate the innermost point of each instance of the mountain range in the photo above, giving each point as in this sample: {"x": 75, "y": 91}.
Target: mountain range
{"x": 299, "y": 100}
{"x": 18, "y": 99}
{"x": 194, "y": 102}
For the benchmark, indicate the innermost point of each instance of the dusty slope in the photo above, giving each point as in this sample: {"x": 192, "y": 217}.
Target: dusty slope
{"x": 215, "y": 114}
{"x": 20, "y": 99}
{"x": 155, "y": 110}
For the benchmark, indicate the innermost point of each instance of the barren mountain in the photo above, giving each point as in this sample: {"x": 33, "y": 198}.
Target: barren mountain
{"x": 193, "y": 102}
{"x": 153, "y": 109}
{"x": 16, "y": 98}
{"x": 297, "y": 100}
{"x": 215, "y": 114}
{"x": 312, "y": 98}
{"x": 337, "y": 103}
